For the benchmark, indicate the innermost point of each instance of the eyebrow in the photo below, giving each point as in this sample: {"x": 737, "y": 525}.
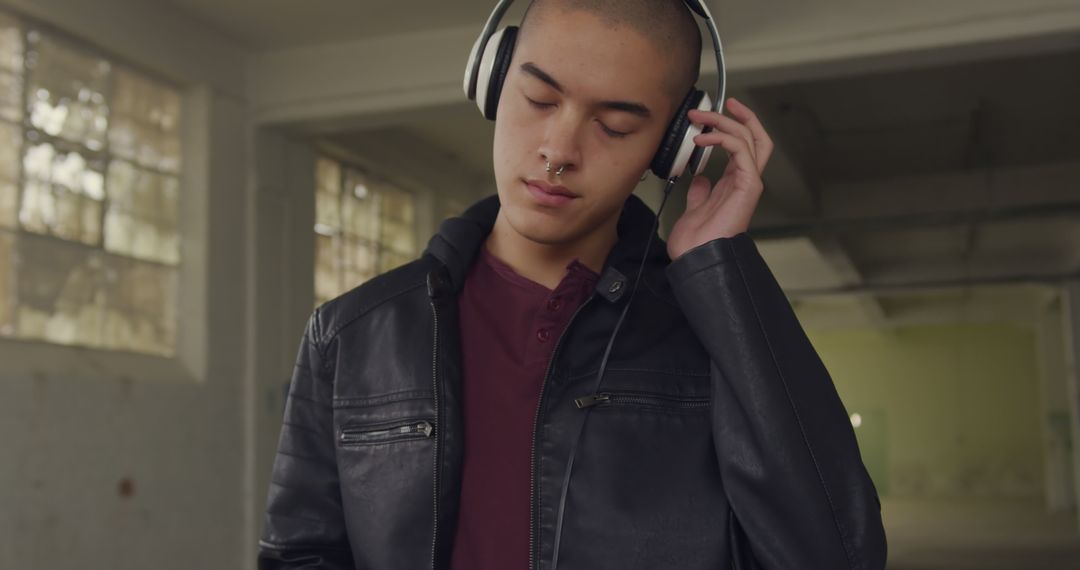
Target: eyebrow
{"x": 626, "y": 106}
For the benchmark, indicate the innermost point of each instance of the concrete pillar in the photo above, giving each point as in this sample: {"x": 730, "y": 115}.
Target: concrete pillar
{"x": 1059, "y": 486}
{"x": 1071, "y": 336}
{"x": 282, "y": 251}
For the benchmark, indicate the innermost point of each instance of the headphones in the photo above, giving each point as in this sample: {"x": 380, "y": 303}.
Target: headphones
{"x": 489, "y": 63}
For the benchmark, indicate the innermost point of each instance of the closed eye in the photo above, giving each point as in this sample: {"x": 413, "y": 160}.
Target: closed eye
{"x": 538, "y": 104}
{"x": 609, "y": 132}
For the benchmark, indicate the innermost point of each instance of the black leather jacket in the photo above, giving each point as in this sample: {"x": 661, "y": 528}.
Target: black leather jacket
{"x": 718, "y": 428}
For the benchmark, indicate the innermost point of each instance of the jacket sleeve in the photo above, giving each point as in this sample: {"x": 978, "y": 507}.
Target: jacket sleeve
{"x": 304, "y": 525}
{"x": 786, "y": 449}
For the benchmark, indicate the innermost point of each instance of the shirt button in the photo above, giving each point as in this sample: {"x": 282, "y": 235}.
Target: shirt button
{"x": 543, "y": 335}
{"x": 554, "y": 304}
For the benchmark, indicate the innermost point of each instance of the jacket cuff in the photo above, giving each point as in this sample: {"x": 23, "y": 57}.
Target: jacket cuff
{"x": 708, "y": 254}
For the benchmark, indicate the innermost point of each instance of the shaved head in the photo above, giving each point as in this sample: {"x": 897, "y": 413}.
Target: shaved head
{"x": 666, "y": 24}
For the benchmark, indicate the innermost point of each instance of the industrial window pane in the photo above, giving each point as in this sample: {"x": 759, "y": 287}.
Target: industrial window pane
{"x": 359, "y": 262}
{"x": 11, "y": 91}
{"x": 10, "y": 146}
{"x": 363, "y": 227}
{"x": 67, "y": 91}
{"x": 327, "y": 197}
{"x": 58, "y": 291}
{"x": 62, "y": 194}
{"x": 327, "y": 213}
{"x": 398, "y": 236}
{"x": 328, "y": 176}
{"x": 78, "y": 295}
{"x": 138, "y": 312}
{"x": 327, "y": 282}
{"x": 397, "y": 206}
{"x": 11, "y": 70}
{"x": 168, "y": 221}
{"x": 11, "y": 50}
{"x": 7, "y": 283}
{"x": 141, "y": 220}
{"x": 360, "y": 207}
{"x": 88, "y": 232}
{"x": 145, "y": 118}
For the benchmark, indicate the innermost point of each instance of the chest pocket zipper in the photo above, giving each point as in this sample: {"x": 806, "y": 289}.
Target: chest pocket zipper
{"x": 368, "y": 435}
{"x": 638, "y": 399}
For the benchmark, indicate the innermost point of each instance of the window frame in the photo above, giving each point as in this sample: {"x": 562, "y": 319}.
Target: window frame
{"x": 41, "y": 359}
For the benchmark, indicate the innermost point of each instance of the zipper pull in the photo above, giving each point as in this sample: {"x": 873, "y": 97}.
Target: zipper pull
{"x": 592, "y": 400}
{"x": 424, "y": 427}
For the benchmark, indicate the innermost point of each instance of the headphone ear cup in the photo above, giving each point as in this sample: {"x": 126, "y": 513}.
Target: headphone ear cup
{"x": 498, "y": 54}
{"x": 697, "y": 156}
{"x": 665, "y": 163}
{"x": 494, "y": 59}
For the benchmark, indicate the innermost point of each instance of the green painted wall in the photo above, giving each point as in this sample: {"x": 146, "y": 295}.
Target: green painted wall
{"x": 947, "y": 411}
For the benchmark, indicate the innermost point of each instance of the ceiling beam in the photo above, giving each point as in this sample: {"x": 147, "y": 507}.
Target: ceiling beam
{"x": 791, "y": 193}
{"x": 986, "y": 188}
{"x": 830, "y": 227}
{"x": 838, "y": 259}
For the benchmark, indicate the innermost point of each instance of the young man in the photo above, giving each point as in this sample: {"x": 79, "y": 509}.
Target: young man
{"x": 431, "y": 415}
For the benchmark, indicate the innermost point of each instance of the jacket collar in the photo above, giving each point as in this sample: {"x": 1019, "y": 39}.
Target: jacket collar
{"x": 458, "y": 241}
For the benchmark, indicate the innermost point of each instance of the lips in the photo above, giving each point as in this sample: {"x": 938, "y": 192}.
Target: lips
{"x": 549, "y": 195}
{"x": 557, "y": 190}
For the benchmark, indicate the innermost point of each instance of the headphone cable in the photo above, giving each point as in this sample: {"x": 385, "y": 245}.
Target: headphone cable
{"x": 600, "y": 378}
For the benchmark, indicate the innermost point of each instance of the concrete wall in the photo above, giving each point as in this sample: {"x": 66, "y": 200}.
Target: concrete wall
{"x": 946, "y": 410}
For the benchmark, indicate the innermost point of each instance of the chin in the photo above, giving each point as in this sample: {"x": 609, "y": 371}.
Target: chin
{"x": 539, "y": 226}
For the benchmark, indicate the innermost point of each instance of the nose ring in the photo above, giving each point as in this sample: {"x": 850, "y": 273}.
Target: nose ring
{"x": 547, "y": 168}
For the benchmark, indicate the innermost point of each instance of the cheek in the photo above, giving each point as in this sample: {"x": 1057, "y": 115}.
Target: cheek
{"x": 512, "y": 135}
{"x": 630, "y": 160}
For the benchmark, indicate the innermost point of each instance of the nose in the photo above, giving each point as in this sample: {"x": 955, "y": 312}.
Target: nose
{"x": 561, "y": 146}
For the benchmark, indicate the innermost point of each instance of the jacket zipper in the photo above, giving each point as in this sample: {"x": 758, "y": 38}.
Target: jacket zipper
{"x": 435, "y": 463}
{"x": 635, "y": 399}
{"x": 359, "y": 436}
{"x": 533, "y": 521}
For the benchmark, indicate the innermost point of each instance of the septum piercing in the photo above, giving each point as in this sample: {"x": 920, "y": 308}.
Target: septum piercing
{"x": 547, "y": 168}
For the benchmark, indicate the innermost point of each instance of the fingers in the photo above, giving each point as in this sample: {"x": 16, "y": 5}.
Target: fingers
{"x": 724, "y": 124}
{"x": 738, "y": 147}
{"x": 745, "y": 124}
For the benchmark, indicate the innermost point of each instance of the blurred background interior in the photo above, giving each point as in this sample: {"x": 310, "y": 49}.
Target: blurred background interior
{"x": 182, "y": 181}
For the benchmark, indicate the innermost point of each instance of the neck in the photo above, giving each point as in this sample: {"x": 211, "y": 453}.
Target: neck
{"x": 546, "y": 263}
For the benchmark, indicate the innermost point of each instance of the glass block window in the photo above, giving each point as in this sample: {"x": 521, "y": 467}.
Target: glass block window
{"x": 363, "y": 226}
{"x": 89, "y": 196}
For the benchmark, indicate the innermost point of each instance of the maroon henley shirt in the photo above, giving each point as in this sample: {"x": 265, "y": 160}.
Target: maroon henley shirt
{"x": 509, "y": 326}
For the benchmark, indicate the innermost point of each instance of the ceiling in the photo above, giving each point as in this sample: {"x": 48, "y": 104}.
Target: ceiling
{"x": 277, "y": 24}
{"x": 268, "y": 25}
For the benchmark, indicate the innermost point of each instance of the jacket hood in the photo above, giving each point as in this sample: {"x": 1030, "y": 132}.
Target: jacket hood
{"x": 459, "y": 239}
